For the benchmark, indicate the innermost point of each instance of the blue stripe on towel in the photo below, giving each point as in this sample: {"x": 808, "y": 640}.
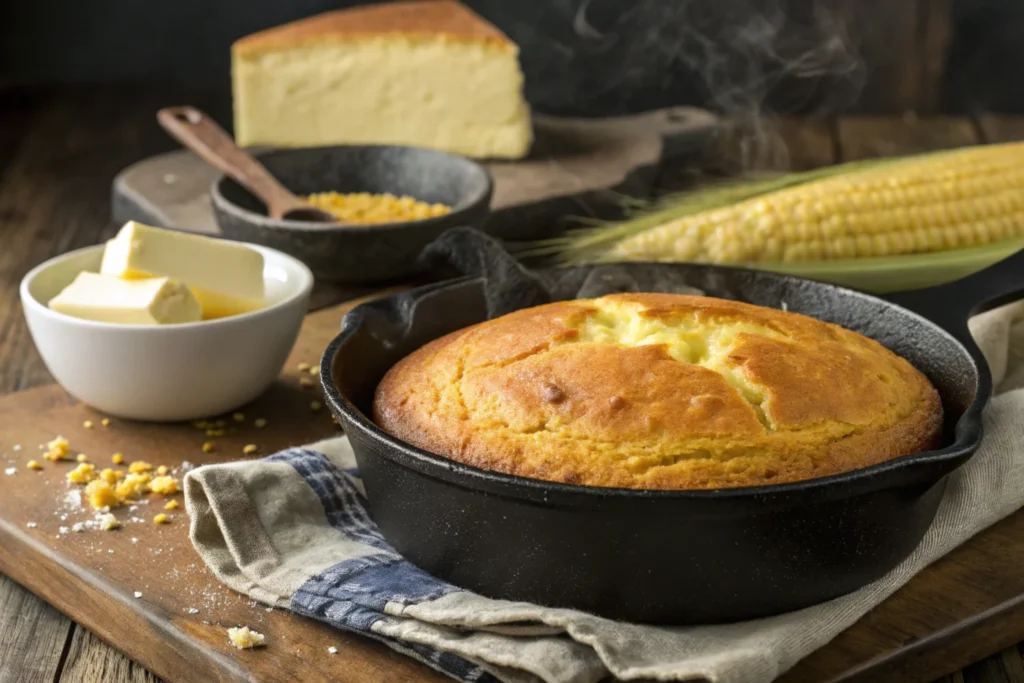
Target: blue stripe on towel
{"x": 352, "y": 594}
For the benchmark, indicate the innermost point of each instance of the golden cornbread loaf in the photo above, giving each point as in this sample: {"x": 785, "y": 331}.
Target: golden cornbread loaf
{"x": 659, "y": 391}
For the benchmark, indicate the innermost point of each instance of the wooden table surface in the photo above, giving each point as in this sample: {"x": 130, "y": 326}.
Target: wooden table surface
{"x": 59, "y": 152}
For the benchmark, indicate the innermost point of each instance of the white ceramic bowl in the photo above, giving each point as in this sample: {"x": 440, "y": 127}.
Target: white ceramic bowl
{"x": 166, "y": 372}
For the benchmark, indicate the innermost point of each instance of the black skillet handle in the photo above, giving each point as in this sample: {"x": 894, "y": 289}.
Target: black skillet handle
{"x": 950, "y": 305}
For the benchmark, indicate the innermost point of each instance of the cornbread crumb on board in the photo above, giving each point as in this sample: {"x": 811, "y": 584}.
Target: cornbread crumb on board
{"x": 660, "y": 391}
{"x": 245, "y": 638}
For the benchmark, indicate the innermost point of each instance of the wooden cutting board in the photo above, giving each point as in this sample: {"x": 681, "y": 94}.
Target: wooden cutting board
{"x": 571, "y": 168}
{"x": 961, "y": 609}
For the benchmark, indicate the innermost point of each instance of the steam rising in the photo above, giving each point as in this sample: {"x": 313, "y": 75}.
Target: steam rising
{"x": 744, "y": 58}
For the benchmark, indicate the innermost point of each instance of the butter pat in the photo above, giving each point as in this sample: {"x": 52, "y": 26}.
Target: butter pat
{"x": 226, "y": 278}
{"x": 152, "y": 301}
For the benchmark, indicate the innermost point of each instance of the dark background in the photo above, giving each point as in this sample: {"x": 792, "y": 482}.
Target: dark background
{"x": 593, "y": 57}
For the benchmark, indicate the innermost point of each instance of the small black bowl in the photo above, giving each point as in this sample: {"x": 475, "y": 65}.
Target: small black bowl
{"x": 357, "y": 253}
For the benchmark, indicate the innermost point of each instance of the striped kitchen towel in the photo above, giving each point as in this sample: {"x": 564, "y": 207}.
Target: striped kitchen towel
{"x": 294, "y": 531}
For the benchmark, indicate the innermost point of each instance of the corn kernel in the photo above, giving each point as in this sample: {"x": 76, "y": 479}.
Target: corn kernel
{"x": 314, "y": 371}
{"x": 238, "y": 417}
{"x": 250, "y": 449}
{"x": 259, "y": 423}
{"x": 215, "y": 432}
{"x": 87, "y": 424}
{"x": 305, "y": 382}
{"x": 200, "y": 424}
{"x": 82, "y": 457}
{"x": 303, "y": 367}
{"x": 111, "y": 476}
{"x": 208, "y": 447}
{"x": 171, "y": 505}
{"x": 101, "y": 495}
{"x": 133, "y": 486}
{"x": 139, "y": 466}
{"x": 117, "y": 459}
{"x": 82, "y": 474}
{"x": 33, "y": 465}
{"x": 315, "y": 405}
{"x": 105, "y": 422}
{"x": 57, "y": 449}
{"x": 165, "y": 485}
{"x": 161, "y": 471}
{"x": 161, "y": 519}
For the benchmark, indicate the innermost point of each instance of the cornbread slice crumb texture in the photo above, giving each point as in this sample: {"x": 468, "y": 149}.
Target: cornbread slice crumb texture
{"x": 660, "y": 391}
{"x": 245, "y": 638}
{"x": 425, "y": 73}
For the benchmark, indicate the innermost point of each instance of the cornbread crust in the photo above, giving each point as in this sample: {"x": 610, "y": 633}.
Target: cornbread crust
{"x": 659, "y": 391}
{"x": 414, "y": 19}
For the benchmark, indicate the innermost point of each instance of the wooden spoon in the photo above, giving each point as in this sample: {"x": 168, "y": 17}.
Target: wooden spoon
{"x": 202, "y": 135}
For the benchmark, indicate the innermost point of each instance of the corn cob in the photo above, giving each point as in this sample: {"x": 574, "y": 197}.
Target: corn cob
{"x": 932, "y": 202}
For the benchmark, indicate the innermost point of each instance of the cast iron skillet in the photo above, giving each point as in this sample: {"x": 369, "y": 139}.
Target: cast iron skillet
{"x": 678, "y": 557}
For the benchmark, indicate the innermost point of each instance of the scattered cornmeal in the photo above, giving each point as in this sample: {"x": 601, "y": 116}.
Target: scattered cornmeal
{"x": 82, "y": 474}
{"x": 139, "y": 466}
{"x": 365, "y": 208}
{"x": 165, "y": 485}
{"x": 250, "y": 449}
{"x": 87, "y": 424}
{"x": 303, "y": 367}
{"x": 238, "y": 417}
{"x": 161, "y": 519}
{"x": 315, "y": 405}
{"x": 117, "y": 459}
{"x": 33, "y": 465}
{"x": 133, "y": 486}
{"x": 108, "y": 522}
{"x": 244, "y": 639}
{"x": 111, "y": 476}
{"x": 162, "y": 470}
{"x": 305, "y": 382}
{"x": 171, "y": 505}
{"x": 82, "y": 457}
{"x": 259, "y": 423}
{"x": 101, "y": 495}
{"x": 105, "y": 422}
{"x": 57, "y": 449}
{"x": 208, "y": 447}
{"x": 215, "y": 432}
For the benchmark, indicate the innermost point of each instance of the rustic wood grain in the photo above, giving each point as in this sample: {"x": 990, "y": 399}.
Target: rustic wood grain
{"x": 784, "y": 144}
{"x": 904, "y": 55}
{"x": 865, "y": 137}
{"x": 996, "y": 128}
{"x": 90, "y": 660}
{"x": 32, "y": 635}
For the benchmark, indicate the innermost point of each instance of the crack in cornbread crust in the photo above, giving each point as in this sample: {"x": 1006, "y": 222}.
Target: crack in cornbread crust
{"x": 629, "y": 391}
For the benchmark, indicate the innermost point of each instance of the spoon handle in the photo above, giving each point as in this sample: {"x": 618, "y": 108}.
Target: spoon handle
{"x": 201, "y": 134}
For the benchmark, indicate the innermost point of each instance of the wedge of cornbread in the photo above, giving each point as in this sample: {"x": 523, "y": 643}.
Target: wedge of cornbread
{"x": 660, "y": 391}
{"x": 428, "y": 73}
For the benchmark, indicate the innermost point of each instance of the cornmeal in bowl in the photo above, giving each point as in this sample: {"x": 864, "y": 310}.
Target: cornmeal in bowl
{"x": 659, "y": 391}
